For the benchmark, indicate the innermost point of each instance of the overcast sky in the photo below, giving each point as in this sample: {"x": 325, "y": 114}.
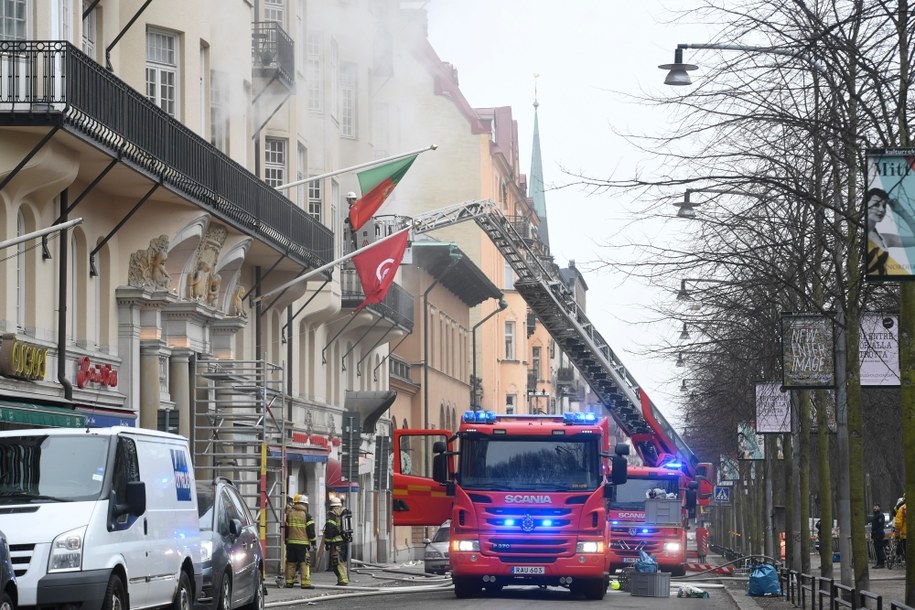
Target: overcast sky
{"x": 588, "y": 54}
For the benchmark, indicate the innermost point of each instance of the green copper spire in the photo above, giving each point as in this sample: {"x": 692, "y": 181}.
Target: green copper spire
{"x": 535, "y": 184}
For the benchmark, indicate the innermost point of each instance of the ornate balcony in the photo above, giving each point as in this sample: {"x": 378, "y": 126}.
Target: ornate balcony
{"x": 272, "y": 53}
{"x": 397, "y": 305}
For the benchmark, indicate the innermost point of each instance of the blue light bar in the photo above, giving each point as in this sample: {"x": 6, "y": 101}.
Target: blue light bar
{"x": 509, "y": 522}
{"x": 479, "y": 417}
{"x": 547, "y": 523}
{"x": 571, "y": 419}
{"x": 674, "y": 465}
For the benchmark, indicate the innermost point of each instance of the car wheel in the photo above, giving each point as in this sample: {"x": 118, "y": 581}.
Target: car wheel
{"x": 6, "y": 602}
{"x": 115, "y": 597}
{"x": 184, "y": 597}
{"x": 224, "y": 598}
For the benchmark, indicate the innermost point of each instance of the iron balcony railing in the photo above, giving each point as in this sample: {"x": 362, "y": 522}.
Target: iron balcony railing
{"x": 272, "y": 52}
{"x": 52, "y": 82}
{"x": 397, "y": 305}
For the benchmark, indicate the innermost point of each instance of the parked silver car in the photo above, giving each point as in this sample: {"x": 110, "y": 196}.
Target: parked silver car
{"x": 435, "y": 558}
{"x": 9, "y": 596}
{"x": 233, "y": 561}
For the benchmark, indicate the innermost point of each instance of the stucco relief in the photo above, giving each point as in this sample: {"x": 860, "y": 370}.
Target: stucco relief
{"x": 147, "y": 267}
{"x": 204, "y": 283}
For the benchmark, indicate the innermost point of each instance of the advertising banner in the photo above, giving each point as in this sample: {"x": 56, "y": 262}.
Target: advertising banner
{"x": 750, "y": 445}
{"x": 889, "y": 212}
{"x": 808, "y": 352}
{"x": 727, "y": 468}
{"x": 773, "y": 408}
{"x": 879, "y": 350}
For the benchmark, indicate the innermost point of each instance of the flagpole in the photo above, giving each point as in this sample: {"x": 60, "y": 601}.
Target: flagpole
{"x": 356, "y": 167}
{"x": 314, "y": 272}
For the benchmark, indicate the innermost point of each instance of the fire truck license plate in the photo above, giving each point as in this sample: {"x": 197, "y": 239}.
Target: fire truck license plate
{"x": 528, "y": 570}
{"x": 630, "y": 559}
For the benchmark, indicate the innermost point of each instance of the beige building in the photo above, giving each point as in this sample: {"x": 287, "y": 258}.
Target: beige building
{"x": 171, "y": 129}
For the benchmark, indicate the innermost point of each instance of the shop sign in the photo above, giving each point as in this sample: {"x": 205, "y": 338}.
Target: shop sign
{"x": 21, "y": 359}
{"x": 90, "y": 372}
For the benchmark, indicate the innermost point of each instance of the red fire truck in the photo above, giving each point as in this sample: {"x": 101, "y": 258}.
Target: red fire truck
{"x": 526, "y": 495}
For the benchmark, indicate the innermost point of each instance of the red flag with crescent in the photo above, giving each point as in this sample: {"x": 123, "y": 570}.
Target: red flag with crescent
{"x": 377, "y": 266}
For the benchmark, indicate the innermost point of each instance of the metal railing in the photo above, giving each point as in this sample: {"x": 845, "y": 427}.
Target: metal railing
{"x": 397, "y": 305}
{"x": 52, "y": 82}
{"x": 272, "y": 51}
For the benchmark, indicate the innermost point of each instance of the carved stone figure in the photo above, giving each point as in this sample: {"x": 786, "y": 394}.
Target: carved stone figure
{"x": 213, "y": 289}
{"x": 238, "y": 305}
{"x": 199, "y": 282}
{"x": 147, "y": 267}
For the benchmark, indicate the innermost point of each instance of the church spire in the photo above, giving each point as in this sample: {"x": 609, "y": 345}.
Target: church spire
{"x": 536, "y": 188}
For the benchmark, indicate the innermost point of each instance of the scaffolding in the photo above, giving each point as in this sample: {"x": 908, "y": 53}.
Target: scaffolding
{"x": 239, "y": 433}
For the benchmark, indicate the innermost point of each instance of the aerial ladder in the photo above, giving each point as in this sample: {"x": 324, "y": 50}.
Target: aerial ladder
{"x": 553, "y": 303}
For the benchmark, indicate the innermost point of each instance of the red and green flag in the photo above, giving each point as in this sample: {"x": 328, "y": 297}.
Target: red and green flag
{"x": 376, "y": 184}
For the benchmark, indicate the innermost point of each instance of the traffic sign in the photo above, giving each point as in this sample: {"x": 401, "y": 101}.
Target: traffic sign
{"x": 722, "y": 495}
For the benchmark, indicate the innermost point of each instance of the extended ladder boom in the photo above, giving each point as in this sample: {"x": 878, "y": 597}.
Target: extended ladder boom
{"x": 555, "y": 306}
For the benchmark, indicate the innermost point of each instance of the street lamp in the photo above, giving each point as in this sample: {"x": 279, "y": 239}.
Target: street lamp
{"x": 688, "y": 207}
{"x": 684, "y": 334}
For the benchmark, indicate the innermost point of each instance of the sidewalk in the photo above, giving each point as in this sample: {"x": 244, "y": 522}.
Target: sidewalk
{"x": 362, "y": 578}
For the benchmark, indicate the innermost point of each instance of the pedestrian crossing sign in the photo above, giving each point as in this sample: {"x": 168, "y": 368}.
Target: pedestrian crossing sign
{"x": 722, "y": 495}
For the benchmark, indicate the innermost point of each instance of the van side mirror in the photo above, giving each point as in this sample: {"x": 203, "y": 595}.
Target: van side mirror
{"x": 134, "y": 503}
{"x": 235, "y": 527}
{"x": 439, "y": 447}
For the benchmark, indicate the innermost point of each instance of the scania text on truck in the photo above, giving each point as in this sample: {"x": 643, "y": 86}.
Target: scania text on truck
{"x": 526, "y": 495}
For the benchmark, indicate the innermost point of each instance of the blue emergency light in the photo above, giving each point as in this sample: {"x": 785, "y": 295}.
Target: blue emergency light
{"x": 479, "y": 417}
{"x": 571, "y": 419}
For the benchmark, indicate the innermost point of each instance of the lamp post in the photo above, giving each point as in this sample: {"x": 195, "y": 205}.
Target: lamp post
{"x": 687, "y": 206}
{"x": 678, "y": 75}
{"x": 475, "y": 389}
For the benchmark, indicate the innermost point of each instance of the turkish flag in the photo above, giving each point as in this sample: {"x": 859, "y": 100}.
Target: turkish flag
{"x": 378, "y": 265}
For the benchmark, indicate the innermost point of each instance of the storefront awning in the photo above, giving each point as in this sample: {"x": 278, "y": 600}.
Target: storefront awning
{"x": 335, "y": 480}
{"x": 30, "y": 414}
{"x": 105, "y": 419}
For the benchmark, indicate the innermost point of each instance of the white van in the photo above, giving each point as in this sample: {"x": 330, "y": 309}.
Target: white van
{"x": 101, "y": 518}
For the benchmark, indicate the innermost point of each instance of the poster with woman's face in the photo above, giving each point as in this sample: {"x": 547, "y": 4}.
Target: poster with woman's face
{"x": 889, "y": 211}
{"x": 749, "y": 444}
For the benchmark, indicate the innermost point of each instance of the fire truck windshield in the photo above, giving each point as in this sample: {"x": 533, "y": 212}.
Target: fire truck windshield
{"x": 530, "y": 464}
{"x": 634, "y": 492}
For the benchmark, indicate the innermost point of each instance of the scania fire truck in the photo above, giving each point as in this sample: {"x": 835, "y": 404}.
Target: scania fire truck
{"x": 555, "y": 306}
{"x": 526, "y": 495}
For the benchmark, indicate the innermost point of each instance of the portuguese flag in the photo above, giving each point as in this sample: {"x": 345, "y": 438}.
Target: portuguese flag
{"x": 376, "y": 184}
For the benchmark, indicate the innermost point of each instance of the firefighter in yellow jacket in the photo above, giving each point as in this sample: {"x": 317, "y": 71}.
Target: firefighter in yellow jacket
{"x": 300, "y": 540}
{"x": 334, "y": 541}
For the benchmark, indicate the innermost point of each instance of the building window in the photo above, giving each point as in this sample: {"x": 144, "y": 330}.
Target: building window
{"x": 219, "y": 110}
{"x": 509, "y": 277}
{"x": 162, "y": 70}
{"x": 300, "y": 35}
{"x": 348, "y": 94}
{"x": 314, "y": 74}
{"x": 90, "y": 25}
{"x": 275, "y": 10}
{"x": 510, "y": 402}
{"x": 301, "y": 165}
{"x": 20, "y": 272}
{"x": 510, "y": 340}
{"x": 274, "y": 161}
{"x": 14, "y": 19}
{"x": 535, "y": 362}
{"x": 314, "y": 199}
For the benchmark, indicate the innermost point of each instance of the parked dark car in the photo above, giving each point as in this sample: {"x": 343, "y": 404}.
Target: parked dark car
{"x": 233, "y": 560}
{"x": 9, "y": 596}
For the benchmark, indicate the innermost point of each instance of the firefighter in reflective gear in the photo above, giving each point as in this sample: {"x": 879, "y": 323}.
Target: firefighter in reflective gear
{"x": 300, "y": 540}
{"x": 333, "y": 540}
